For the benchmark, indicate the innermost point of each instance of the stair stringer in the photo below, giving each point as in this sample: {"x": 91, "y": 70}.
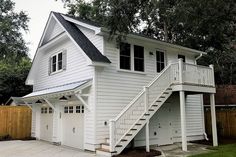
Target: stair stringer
{"x": 121, "y": 145}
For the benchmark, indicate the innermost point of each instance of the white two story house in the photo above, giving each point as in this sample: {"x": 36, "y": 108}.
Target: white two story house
{"x": 93, "y": 93}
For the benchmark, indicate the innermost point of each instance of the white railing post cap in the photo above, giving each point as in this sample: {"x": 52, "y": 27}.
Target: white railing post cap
{"x": 211, "y": 65}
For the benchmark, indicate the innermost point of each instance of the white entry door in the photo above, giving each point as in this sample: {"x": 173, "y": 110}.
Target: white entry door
{"x": 46, "y": 123}
{"x": 73, "y": 126}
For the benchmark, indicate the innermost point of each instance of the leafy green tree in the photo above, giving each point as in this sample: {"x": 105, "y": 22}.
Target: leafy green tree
{"x": 11, "y": 26}
{"x": 209, "y": 26}
{"x": 14, "y": 61}
{"x": 12, "y": 79}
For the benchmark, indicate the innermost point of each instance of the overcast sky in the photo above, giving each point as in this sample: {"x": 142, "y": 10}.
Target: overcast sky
{"x": 38, "y": 12}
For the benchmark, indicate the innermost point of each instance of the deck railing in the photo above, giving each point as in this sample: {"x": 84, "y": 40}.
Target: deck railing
{"x": 176, "y": 73}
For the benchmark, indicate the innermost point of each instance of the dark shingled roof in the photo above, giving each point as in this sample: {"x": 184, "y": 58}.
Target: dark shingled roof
{"x": 86, "y": 45}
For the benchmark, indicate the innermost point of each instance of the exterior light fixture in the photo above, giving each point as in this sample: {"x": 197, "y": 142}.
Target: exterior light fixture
{"x": 63, "y": 98}
{"x": 38, "y": 102}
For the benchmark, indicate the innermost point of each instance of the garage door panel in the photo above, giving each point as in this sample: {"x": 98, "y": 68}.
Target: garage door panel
{"x": 73, "y": 126}
{"x": 46, "y": 123}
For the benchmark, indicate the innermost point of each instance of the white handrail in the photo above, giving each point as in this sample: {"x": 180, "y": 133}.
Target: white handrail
{"x": 136, "y": 98}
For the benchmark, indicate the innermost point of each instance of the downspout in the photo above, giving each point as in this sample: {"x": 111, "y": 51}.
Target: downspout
{"x": 198, "y": 57}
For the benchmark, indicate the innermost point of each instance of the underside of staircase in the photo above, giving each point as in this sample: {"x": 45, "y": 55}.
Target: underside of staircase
{"x": 105, "y": 147}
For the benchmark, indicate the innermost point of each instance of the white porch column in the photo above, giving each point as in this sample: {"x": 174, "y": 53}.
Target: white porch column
{"x": 213, "y": 120}
{"x": 56, "y": 125}
{"x": 147, "y": 124}
{"x": 147, "y": 137}
{"x": 183, "y": 120}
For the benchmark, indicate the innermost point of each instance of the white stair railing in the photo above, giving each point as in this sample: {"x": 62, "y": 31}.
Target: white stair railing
{"x": 130, "y": 115}
{"x": 176, "y": 73}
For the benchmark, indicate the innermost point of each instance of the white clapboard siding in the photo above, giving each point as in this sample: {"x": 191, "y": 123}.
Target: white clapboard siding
{"x": 194, "y": 120}
{"x": 115, "y": 89}
{"x": 97, "y": 40}
{"x": 77, "y": 68}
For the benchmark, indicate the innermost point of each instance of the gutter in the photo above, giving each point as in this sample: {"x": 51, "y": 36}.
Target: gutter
{"x": 198, "y": 57}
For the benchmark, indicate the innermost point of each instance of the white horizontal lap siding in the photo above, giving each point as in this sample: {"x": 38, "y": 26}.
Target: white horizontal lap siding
{"x": 115, "y": 89}
{"x": 97, "y": 40}
{"x": 76, "y": 68}
{"x": 194, "y": 118}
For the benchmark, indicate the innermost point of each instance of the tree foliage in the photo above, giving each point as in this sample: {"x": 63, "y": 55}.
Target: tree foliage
{"x": 14, "y": 61}
{"x": 208, "y": 26}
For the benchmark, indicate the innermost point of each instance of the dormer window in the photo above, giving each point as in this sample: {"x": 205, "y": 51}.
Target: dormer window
{"x": 57, "y": 62}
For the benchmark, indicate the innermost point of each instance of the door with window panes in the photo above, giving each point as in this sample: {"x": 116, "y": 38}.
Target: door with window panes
{"x": 73, "y": 126}
{"x": 46, "y": 123}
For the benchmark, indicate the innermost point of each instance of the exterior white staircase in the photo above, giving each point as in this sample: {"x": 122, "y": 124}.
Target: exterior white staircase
{"x": 138, "y": 112}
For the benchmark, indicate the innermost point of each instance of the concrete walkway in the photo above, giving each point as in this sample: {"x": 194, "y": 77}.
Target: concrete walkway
{"x": 175, "y": 150}
{"x": 38, "y": 149}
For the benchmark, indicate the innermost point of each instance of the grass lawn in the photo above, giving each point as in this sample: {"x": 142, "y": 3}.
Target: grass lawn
{"x": 228, "y": 150}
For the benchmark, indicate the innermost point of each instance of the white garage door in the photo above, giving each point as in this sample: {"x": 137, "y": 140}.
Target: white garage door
{"x": 46, "y": 123}
{"x": 73, "y": 126}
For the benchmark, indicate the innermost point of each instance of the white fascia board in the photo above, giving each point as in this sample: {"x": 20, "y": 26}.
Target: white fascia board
{"x": 97, "y": 30}
{"x": 99, "y": 64}
{"x": 105, "y": 31}
{"x": 29, "y": 79}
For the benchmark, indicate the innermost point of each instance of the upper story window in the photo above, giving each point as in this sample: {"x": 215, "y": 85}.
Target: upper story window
{"x": 160, "y": 60}
{"x": 125, "y": 56}
{"x": 131, "y": 57}
{"x": 138, "y": 58}
{"x": 181, "y": 56}
{"x": 57, "y": 62}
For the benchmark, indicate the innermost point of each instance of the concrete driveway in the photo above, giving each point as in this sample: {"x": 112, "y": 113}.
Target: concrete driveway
{"x": 38, "y": 149}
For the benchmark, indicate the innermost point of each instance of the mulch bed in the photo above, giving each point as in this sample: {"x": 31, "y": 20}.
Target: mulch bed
{"x": 138, "y": 152}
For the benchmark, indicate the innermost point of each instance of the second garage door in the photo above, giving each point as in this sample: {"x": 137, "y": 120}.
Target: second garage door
{"x": 73, "y": 126}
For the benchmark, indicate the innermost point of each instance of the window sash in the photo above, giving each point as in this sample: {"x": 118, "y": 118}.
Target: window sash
{"x": 56, "y": 64}
{"x": 138, "y": 58}
{"x": 125, "y": 56}
{"x": 160, "y": 61}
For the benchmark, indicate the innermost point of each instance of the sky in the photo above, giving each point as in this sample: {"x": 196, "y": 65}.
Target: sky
{"x": 38, "y": 12}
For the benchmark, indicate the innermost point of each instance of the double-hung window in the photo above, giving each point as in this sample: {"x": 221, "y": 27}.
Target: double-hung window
{"x": 131, "y": 57}
{"x": 57, "y": 62}
{"x": 160, "y": 61}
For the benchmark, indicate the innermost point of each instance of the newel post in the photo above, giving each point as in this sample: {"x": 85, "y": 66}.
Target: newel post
{"x": 181, "y": 70}
{"x": 213, "y": 76}
{"x": 146, "y": 97}
{"x": 112, "y": 135}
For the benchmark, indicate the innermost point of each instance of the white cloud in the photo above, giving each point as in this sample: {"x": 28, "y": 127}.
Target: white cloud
{"x": 38, "y": 11}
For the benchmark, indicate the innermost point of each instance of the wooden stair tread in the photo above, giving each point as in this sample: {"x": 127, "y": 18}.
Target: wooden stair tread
{"x": 133, "y": 129}
{"x": 107, "y": 144}
{"x": 150, "y": 110}
{"x": 142, "y": 119}
{"x": 123, "y": 140}
{"x": 138, "y": 124}
{"x": 128, "y": 135}
{"x": 158, "y": 101}
{"x": 146, "y": 114}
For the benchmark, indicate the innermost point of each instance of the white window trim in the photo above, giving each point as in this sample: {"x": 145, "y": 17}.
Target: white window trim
{"x": 165, "y": 59}
{"x": 132, "y": 61}
{"x": 56, "y": 54}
